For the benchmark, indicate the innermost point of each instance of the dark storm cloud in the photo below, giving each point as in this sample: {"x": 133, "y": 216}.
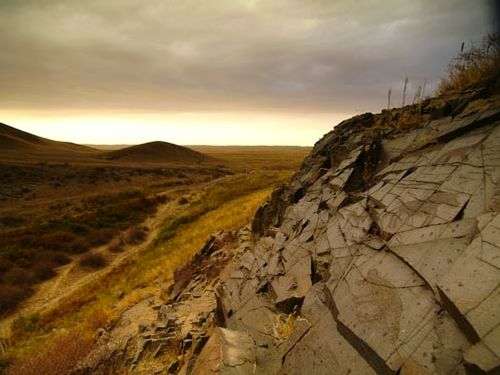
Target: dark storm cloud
{"x": 226, "y": 54}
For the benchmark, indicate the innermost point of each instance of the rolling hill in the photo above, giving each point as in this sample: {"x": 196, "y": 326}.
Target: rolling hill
{"x": 157, "y": 152}
{"x": 13, "y": 141}
{"x": 19, "y": 146}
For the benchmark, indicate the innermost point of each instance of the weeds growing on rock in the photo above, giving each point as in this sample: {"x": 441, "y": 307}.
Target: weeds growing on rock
{"x": 473, "y": 67}
{"x": 284, "y": 325}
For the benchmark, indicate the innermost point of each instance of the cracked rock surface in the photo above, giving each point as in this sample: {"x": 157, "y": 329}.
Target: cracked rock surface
{"x": 385, "y": 250}
{"x": 380, "y": 256}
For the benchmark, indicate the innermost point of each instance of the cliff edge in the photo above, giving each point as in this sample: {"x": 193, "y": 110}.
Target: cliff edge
{"x": 381, "y": 256}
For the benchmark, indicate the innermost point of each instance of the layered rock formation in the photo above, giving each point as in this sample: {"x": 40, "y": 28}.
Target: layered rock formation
{"x": 381, "y": 256}
{"x": 385, "y": 247}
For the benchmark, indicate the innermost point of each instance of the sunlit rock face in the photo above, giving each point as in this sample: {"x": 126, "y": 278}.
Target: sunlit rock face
{"x": 381, "y": 256}
{"x": 384, "y": 249}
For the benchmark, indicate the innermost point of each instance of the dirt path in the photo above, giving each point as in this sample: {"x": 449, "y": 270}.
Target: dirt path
{"x": 71, "y": 278}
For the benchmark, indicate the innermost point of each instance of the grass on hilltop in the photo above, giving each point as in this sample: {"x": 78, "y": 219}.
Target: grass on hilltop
{"x": 473, "y": 68}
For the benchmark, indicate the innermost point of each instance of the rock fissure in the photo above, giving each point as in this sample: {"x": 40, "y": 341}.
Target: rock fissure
{"x": 380, "y": 256}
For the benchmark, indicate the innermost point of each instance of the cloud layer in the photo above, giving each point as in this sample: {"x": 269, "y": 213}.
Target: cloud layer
{"x": 270, "y": 55}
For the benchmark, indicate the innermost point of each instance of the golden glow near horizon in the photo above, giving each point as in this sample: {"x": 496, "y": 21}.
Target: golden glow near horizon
{"x": 195, "y": 128}
{"x": 219, "y": 72}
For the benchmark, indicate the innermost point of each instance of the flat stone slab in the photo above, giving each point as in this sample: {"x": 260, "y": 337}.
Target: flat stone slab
{"x": 471, "y": 289}
{"x": 386, "y": 258}
{"x": 226, "y": 352}
{"x": 431, "y": 251}
{"x": 368, "y": 286}
{"x": 319, "y": 348}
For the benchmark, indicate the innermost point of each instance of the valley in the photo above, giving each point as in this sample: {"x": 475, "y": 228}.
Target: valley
{"x": 249, "y": 187}
{"x": 73, "y": 224}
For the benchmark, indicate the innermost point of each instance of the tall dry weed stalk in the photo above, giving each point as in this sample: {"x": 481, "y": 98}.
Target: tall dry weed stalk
{"x": 405, "y": 86}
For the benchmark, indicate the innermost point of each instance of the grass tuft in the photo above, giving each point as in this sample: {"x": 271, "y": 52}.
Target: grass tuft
{"x": 473, "y": 68}
{"x": 284, "y": 325}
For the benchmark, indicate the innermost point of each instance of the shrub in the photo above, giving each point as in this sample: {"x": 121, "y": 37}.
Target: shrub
{"x": 56, "y": 240}
{"x": 5, "y": 265}
{"x": 161, "y": 198}
{"x": 183, "y": 201}
{"x": 11, "y": 296}
{"x": 93, "y": 261}
{"x": 473, "y": 67}
{"x": 20, "y": 256}
{"x": 63, "y": 241}
{"x": 117, "y": 245}
{"x": 44, "y": 270}
{"x": 55, "y": 257}
{"x": 101, "y": 236}
{"x": 135, "y": 235}
{"x": 18, "y": 276}
{"x": 23, "y": 324}
{"x": 11, "y": 221}
{"x": 78, "y": 246}
{"x": 4, "y": 363}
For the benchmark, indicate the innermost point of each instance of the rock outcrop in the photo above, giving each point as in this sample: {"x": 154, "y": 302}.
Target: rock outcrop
{"x": 384, "y": 249}
{"x": 381, "y": 256}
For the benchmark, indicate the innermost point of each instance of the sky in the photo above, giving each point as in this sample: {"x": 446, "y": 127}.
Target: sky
{"x": 238, "y": 72}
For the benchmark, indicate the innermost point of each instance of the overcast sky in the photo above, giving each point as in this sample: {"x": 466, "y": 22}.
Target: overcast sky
{"x": 218, "y": 71}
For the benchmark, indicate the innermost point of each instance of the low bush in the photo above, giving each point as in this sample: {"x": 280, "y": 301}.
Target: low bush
{"x": 30, "y": 254}
{"x": 161, "y": 198}
{"x": 57, "y": 258}
{"x": 4, "y": 363}
{"x": 5, "y": 265}
{"x": 11, "y": 296}
{"x": 43, "y": 270}
{"x": 18, "y": 276}
{"x": 101, "y": 236}
{"x": 117, "y": 245}
{"x": 57, "y": 241}
{"x": 135, "y": 235}
{"x": 94, "y": 261}
{"x": 183, "y": 201}
{"x": 107, "y": 199}
{"x": 11, "y": 221}
{"x": 24, "y": 324}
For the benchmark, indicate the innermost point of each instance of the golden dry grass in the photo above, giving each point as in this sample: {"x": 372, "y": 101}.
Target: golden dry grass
{"x": 97, "y": 305}
{"x": 246, "y": 158}
{"x": 284, "y": 325}
{"x": 473, "y": 67}
{"x": 59, "y": 357}
{"x": 223, "y": 204}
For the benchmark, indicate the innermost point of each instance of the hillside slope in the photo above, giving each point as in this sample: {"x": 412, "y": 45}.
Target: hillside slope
{"x": 157, "y": 152}
{"x": 13, "y": 140}
{"x": 19, "y": 146}
{"x": 379, "y": 257}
